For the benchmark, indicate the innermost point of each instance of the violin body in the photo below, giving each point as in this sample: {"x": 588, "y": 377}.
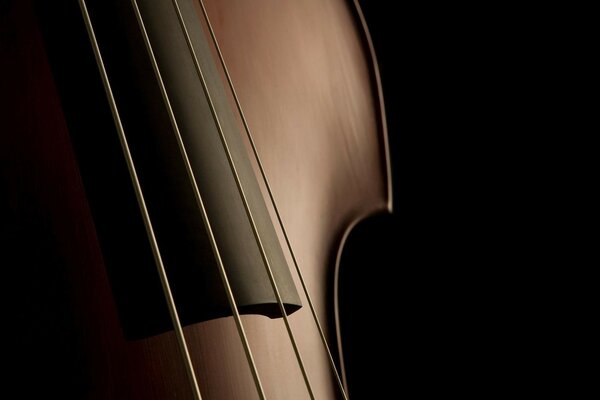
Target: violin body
{"x": 307, "y": 83}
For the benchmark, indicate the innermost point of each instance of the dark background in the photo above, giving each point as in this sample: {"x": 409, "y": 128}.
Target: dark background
{"x": 445, "y": 298}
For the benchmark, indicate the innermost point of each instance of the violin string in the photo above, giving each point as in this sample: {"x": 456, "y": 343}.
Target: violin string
{"x": 243, "y": 195}
{"x": 198, "y": 196}
{"x": 272, "y": 200}
{"x": 142, "y": 205}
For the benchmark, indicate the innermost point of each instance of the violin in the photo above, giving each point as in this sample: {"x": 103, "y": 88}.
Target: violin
{"x": 180, "y": 178}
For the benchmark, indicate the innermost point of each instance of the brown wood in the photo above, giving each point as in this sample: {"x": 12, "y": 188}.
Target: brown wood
{"x": 304, "y": 76}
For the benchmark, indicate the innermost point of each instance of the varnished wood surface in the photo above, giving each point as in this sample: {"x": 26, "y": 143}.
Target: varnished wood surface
{"x": 302, "y": 72}
{"x": 303, "y": 78}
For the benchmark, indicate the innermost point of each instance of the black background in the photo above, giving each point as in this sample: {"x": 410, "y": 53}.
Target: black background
{"x": 442, "y": 304}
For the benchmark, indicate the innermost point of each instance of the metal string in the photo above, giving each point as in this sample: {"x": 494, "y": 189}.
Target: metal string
{"x": 272, "y": 199}
{"x": 200, "y": 202}
{"x": 142, "y": 204}
{"x": 243, "y": 195}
